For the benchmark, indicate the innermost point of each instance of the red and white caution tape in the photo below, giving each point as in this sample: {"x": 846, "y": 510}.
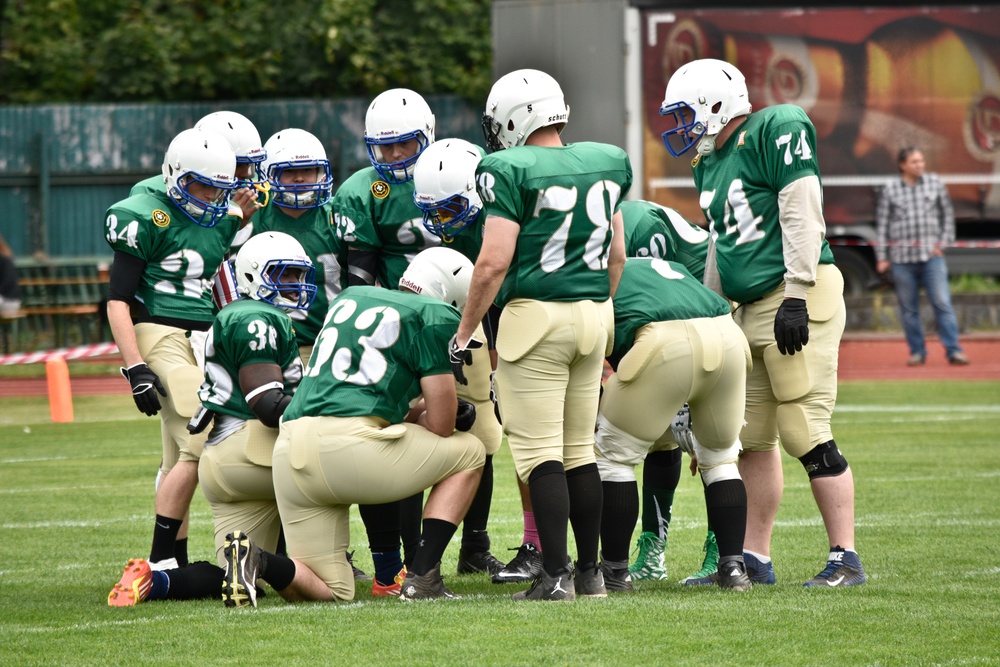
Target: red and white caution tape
{"x": 68, "y": 353}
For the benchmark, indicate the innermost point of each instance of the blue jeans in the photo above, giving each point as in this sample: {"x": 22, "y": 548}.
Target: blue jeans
{"x": 933, "y": 276}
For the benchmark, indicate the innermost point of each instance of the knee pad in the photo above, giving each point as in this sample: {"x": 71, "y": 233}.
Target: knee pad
{"x": 612, "y": 471}
{"x": 712, "y": 458}
{"x": 824, "y": 461}
{"x": 614, "y": 444}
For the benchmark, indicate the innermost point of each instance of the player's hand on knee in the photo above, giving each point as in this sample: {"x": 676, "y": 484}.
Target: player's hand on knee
{"x": 145, "y": 383}
{"x": 466, "y": 415}
{"x": 791, "y": 326}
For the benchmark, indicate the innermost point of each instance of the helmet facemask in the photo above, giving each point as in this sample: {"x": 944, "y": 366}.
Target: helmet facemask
{"x": 294, "y": 148}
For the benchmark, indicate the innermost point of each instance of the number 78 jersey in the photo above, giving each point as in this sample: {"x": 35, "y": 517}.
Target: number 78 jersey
{"x": 563, "y": 199}
{"x": 738, "y": 188}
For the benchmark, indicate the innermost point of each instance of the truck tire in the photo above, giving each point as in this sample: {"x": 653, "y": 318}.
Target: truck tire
{"x": 858, "y": 269}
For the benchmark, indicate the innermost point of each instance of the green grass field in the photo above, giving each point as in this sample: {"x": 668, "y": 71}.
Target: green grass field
{"x": 78, "y": 500}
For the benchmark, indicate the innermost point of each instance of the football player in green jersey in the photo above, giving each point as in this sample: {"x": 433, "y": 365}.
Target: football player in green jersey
{"x": 253, "y": 367}
{"x": 759, "y": 187}
{"x": 445, "y": 190}
{"x": 374, "y": 421}
{"x": 659, "y": 232}
{"x": 381, "y": 231}
{"x": 444, "y": 179}
{"x": 167, "y": 247}
{"x": 301, "y": 185}
{"x": 675, "y": 343}
{"x": 552, "y": 254}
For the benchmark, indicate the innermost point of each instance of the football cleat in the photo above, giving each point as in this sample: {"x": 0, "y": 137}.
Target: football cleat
{"x": 427, "y": 586}
{"x": 239, "y": 584}
{"x": 525, "y": 566}
{"x": 359, "y": 574}
{"x": 134, "y": 586}
{"x": 478, "y": 561}
{"x": 556, "y": 588}
{"x": 589, "y": 582}
{"x": 759, "y": 573}
{"x": 732, "y": 575}
{"x": 649, "y": 565}
{"x": 616, "y": 580}
{"x": 709, "y": 566}
{"x": 842, "y": 569}
{"x": 388, "y": 590}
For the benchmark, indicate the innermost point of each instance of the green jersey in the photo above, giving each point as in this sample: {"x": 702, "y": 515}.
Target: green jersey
{"x": 181, "y": 257}
{"x": 149, "y": 186}
{"x": 659, "y": 232}
{"x": 247, "y": 332}
{"x": 738, "y": 186}
{"x": 656, "y": 290}
{"x": 375, "y": 346}
{"x": 563, "y": 199}
{"x": 375, "y": 216}
{"x": 317, "y": 233}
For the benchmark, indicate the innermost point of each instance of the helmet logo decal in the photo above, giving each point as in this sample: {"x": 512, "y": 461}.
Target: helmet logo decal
{"x": 160, "y": 218}
{"x": 380, "y": 189}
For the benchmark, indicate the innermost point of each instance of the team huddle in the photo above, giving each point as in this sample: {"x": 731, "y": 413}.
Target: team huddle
{"x": 308, "y": 349}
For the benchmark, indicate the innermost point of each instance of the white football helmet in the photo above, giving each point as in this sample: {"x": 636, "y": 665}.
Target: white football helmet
{"x": 444, "y": 186}
{"x": 702, "y": 96}
{"x": 273, "y": 267}
{"x": 520, "y": 103}
{"x": 293, "y": 148}
{"x": 440, "y": 273}
{"x": 395, "y": 116}
{"x": 243, "y": 136}
{"x": 200, "y": 156}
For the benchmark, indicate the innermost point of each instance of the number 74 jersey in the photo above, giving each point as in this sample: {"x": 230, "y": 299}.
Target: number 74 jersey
{"x": 738, "y": 188}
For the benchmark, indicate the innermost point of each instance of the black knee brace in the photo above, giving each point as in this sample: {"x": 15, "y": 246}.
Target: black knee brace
{"x": 824, "y": 460}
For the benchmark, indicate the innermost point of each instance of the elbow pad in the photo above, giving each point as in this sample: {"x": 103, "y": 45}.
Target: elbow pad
{"x": 270, "y": 406}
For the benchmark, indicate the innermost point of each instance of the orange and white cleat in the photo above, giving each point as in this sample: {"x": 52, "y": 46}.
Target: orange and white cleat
{"x": 389, "y": 590}
{"x": 134, "y": 586}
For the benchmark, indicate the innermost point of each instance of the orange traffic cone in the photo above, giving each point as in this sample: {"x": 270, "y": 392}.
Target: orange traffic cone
{"x": 60, "y": 394}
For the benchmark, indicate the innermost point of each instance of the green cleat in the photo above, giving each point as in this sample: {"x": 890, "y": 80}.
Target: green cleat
{"x": 709, "y": 566}
{"x": 649, "y": 565}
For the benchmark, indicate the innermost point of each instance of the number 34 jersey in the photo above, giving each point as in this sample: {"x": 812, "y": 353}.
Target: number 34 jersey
{"x": 563, "y": 199}
{"x": 247, "y": 332}
{"x": 181, "y": 257}
{"x": 738, "y": 188}
{"x": 375, "y": 346}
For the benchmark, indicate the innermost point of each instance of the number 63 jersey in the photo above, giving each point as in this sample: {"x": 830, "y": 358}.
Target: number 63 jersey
{"x": 181, "y": 257}
{"x": 374, "y": 347}
{"x": 563, "y": 199}
{"x": 738, "y": 188}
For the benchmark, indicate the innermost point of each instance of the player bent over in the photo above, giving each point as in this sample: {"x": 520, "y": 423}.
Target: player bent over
{"x": 675, "y": 343}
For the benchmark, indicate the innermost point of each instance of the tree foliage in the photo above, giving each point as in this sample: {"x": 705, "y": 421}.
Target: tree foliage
{"x": 189, "y": 50}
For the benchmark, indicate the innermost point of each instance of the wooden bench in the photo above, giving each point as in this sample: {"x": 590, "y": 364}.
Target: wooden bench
{"x": 59, "y": 292}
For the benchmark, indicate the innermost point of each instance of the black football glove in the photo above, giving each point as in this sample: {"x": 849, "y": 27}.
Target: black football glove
{"x": 466, "y": 415}
{"x": 791, "y": 326}
{"x": 461, "y": 356}
{"x": 144, "y": 381}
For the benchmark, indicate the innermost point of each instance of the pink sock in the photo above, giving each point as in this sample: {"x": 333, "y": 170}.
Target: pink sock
{"x": 530, "y": 532}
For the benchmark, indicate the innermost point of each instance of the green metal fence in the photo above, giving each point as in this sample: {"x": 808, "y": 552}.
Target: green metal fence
{"x": 62, "y": 166}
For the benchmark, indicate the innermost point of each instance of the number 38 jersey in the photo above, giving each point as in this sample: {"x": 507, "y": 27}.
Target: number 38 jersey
{"x": 247, "y": 332}
{"x": 563, "y": 199}
{"x": 181, "y": 257}
{"x": 738, "y": 188}
{"x": 375, "y": 346}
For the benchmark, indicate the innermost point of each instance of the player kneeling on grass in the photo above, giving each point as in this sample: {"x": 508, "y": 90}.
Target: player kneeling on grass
{"x": 374, "y": 421}
{"x": 675, "y": 343}
{"x": 252, "y": 368}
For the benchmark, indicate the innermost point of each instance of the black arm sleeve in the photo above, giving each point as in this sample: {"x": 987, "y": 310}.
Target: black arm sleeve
{"x": 361, "y": 267}
{"x": 270, "y": 406}
{"x": 126, "y": 270}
